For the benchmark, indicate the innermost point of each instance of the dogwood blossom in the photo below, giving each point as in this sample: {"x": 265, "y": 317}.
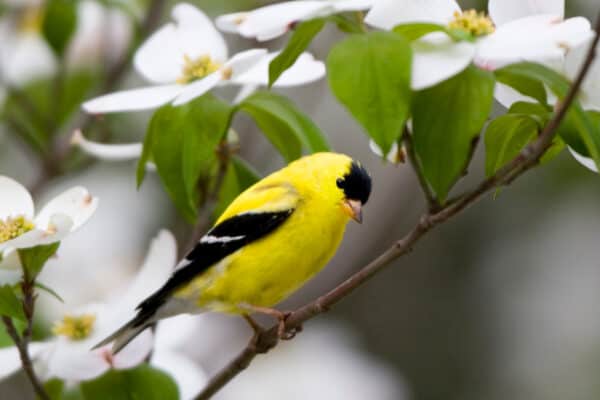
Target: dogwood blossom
{"x": 68, "y": 356}
{"x": 21, "y": 228}
{"x": 269, "y": 22}
{"x": 538, "y": 34}
{"x": 189, "y": 57}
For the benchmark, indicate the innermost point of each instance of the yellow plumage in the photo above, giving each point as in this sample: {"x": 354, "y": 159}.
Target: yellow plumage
{"x": 266, "y": 271}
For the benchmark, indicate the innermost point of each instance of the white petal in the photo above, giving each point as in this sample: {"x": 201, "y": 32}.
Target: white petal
{"x": 73, "y": 361}
{"x": 133, "y": 100}
{"x": 386, "y": 14}
{"x": 161, "y": 58}
{"x": 198, "y": 88}
{"x": 10, "y": 262}
{"x": 111, "y": 152}
{"x": 269, "y": 22}
{"x": 158, "y": 266}
{"x": 135, "y": 352}
{"x": 24, "y": 57}
{"x": 585, "y": 161}
{"x": 541, "y": 38}
{"x": 11, "y": 361}
{"x": 230, "y": 22}
{"x": 352, "y": 5}
{"x": 76, "y": 203}
{"x": 58, "y": 227}
{"x": 305, "y": 70}
{"x": 237, "y": 65}
{"x": 503, "y": 11}
{"x": 16, "y": 200}
{"x": 437, "y": 58}
{"x": 188, "y": 375}
{"x": 393, "y": 156}
{"x": 590, "y": 90}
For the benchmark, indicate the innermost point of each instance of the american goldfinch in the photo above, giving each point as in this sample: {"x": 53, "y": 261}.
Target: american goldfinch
{"x": 271, "y": 239}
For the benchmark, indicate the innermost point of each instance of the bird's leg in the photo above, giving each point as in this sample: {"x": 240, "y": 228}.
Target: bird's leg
{"x": 254, "y": 325}
{"x": 281, "y": 318}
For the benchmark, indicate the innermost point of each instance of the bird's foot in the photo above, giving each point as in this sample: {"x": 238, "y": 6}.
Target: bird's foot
{"x": 283, "y": 332}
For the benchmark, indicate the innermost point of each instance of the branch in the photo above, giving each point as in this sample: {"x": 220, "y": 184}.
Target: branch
{"x": 22, "y": 342}
{"x": 432, "y": 202}
{"x": 528, "y": 158}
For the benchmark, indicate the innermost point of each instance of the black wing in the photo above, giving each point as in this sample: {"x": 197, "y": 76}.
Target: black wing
{"x": 221, "y": 241}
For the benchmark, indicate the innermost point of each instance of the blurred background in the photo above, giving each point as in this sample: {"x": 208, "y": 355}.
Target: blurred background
{"x": 499, "y": 303}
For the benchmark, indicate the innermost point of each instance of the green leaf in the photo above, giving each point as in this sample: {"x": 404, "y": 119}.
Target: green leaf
{"x": 523, "y": 84}
{"x": 303, "y": 34}
{"x": 286, "y": 127}
{"x": 239, "y": 176}
{"x": 48, "y": 290}
{"x": 446, "y": 120}
{"x": 141, "y": 383}
{"x": 370, "y": 75}
{"x": 60, "y": 21}
{"x": 557, "y": 146}
{"x": 348, "y": 23}
{"x": 505, "y": 137}
{"x": 33, "y": 259}
{"x": 10, "y": 305}
{"x": 183, "y": 142}
{"x": 414, "y": 31}
{"x": 54, "y": 388}
{"x": 578, "y": 130}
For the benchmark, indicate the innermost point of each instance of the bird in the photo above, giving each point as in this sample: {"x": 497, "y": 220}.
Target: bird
{"x": 269, "y": 241}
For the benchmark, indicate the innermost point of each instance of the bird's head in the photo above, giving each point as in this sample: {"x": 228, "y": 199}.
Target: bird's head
{"x": 355, "y": 185}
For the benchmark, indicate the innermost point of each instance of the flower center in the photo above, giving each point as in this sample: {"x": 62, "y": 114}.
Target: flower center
{"x": 13, "y": 227}
{"x": 75, "y": 327}
{"x": 198, "y": 68}
{"x": 472, "y": 22}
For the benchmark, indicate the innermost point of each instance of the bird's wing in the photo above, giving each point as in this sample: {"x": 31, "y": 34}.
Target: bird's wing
{"x": 270, "y": 205}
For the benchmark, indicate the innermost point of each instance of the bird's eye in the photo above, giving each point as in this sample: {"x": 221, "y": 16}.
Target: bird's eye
{"x": 339, "y": 182}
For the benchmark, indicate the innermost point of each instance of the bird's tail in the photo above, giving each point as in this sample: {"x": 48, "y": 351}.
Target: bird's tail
{"x": 125, "y": 334}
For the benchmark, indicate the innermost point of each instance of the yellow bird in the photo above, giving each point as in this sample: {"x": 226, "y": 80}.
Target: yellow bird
{"x": 272, "y": 238}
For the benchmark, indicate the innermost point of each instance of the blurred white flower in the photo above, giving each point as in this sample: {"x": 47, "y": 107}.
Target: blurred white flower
{"x": 323, "y": 362}
{"x": 68, "y": 356}
{"x": 21, "y": 228}
{"x": 539, "y": 36}
{"x": 188, "y": 58}
{"x": 269, "y": 22}
{"x": 396, "y": 155}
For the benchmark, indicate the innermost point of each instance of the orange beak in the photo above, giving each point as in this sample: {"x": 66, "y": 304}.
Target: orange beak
{"x": 353, "y": 208}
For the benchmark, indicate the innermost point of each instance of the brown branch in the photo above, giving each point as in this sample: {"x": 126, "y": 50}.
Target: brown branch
{"x": 22, "y": 342}
{"x": 432, "y": 202}
{"x": 529, "y": 157}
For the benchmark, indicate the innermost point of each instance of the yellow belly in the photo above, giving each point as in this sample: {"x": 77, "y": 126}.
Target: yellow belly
{"x": 267, "y": 271}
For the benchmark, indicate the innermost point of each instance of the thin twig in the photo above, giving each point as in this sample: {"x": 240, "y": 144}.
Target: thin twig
{"x": 528, "y": 158}
{"x": 432, "y": 202}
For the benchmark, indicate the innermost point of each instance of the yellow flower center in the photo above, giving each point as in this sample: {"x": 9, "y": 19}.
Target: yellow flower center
{"x": 75, "y": 327}
{"x": 198, "y": 68}
{"x": 472, "y": 22}
{"x": 13, "y": 227}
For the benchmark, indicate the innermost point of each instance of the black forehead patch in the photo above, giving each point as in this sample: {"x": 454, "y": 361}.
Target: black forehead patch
{"x": 356, "y": 184}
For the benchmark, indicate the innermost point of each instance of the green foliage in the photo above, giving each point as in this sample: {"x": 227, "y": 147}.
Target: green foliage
{"x": 36, "y": 110}
{"x": 183, "y": 141}
{"x": 523, "y": 84}
{"x": 303, "y": 34}
{"x": 414, "y": 31}
{"x": 505, "y": 137}
{"x": 578, "y": 129}
{"x": 370, "y": 75}
{"x": 286, "y": 127}
{"x": 446, "y": 120}
{"x": 143, "y": 382}
{"x": 33, "y": 259}
{"x": 239, "y": 176}
{"x": 48, "y": 290}
{"x": 60, "y": 21}
{"x": 10, "y": 304}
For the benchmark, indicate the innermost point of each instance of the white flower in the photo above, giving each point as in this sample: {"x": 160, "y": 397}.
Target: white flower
{"x": 269, "y": 22}
{"x": 21, "y": 228}
{"x": 396, "y": 155}
{"x": 188, "y": 58}
{"x": 68, "y": 356}
{"x": 538, "y": 34}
